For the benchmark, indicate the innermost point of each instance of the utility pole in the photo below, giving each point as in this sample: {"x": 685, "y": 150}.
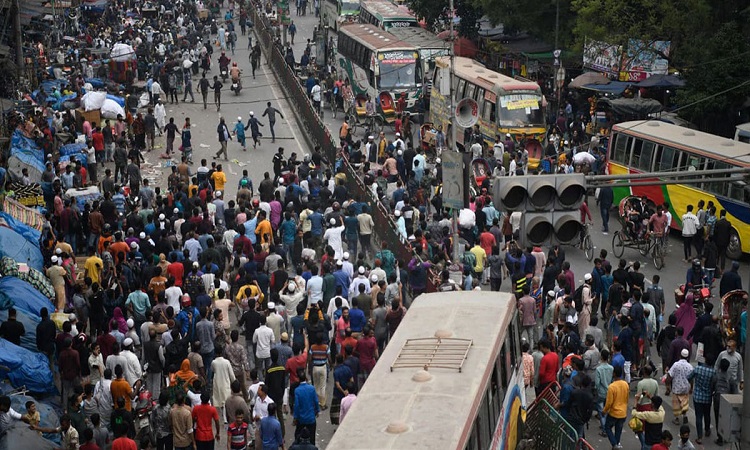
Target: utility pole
{"x": 19, "y": 39}
{"x": 452, "y": 138}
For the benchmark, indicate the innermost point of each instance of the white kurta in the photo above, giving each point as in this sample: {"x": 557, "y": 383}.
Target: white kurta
{"x": 160, "y": 114}
{"x": 223, "y": 377}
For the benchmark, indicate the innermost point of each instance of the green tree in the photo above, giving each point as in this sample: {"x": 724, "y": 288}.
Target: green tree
{"x": 536, "y": 17}
{"x": 716, "y": 79}
{"x": 436, "y": 15}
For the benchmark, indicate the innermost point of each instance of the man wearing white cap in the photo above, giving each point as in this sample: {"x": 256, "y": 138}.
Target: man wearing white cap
{"x": 360, "y": 279}
{"x": 132, "y": 370}
{"x": 347, "y": 266}
{"x": 332, "y": 237}
{"x": 681, "y": 387}
{"x": 587, "y": 297}
{"x": 56, "y": 273}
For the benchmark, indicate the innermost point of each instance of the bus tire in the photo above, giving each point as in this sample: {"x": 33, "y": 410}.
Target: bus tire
{"x": 734, "y": 251}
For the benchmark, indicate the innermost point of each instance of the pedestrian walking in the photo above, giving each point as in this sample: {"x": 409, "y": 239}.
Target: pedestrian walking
{"x": 188, "y": 81}
{"x": 224, "y": 137}
{"x": 239, "y": 133}
{"x": 203, "y": 87}
{"x": 217, "y": 92}
{"x": 271, "y": 113}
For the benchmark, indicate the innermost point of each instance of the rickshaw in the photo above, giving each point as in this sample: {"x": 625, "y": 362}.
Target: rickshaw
{"x": 732, "y": 305}
{"x": 635, "y": 235}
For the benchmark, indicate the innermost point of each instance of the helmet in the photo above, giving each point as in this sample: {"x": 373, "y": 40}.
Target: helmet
{"x": 696, "y": 264}
{"x": 256, "y": 202}
{"x": 234, "y": 64}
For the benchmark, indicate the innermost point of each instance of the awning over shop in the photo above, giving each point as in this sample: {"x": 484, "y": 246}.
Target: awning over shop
{"x": 614, "y": 87}
{"x": 641, "y": 107}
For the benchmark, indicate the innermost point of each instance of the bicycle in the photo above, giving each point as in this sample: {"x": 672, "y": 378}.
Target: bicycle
{"x": 657, "y": 247}
{"x": 586, "y": 244}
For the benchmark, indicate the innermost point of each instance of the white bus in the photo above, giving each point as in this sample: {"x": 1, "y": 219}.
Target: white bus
{"x": 379, "y": 65}
{"x": 451, "y": 377}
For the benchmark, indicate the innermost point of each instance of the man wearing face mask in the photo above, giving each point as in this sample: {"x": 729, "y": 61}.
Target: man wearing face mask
{"x": 736, "y": 371}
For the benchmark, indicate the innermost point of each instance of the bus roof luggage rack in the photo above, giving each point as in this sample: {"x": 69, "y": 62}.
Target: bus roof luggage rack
{"x": 426, "y": 353}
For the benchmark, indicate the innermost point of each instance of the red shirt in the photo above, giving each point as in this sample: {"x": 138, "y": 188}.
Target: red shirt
{"x": 176, "y": 270}
{"x": 659, "y": 446}
{"x": 98, "y": 140}
{"x": 487, "y": 241}
{"x": 293, "y": 364}
{"x": 122, "y": 443}
{"x": 203, "y": 416}
{"x": 92, "y": 446}
{"x": 548, "y": 368}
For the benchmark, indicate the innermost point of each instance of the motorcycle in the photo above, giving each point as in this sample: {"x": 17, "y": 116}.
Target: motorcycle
{"x": 143, "y": 404}
{"x": 237, "y": 85}
{"x": 698, "y": 295}
{"x": 224, "y": 73}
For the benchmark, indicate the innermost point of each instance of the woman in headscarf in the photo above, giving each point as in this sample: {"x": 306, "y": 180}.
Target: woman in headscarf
{"x": 122, "y": 324}
{"x": 184, "y": 376}
{"x": 163, "y": 263}
{"x": 686, "y": 314}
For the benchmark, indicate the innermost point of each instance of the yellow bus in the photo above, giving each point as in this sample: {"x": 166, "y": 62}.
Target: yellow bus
{"x": 450, "y": 378}
{"x": 506, "y": 105}
{"x": 656, "y": 146}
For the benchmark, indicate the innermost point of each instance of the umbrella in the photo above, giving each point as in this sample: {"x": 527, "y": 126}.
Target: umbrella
{"x": 662, "y": 81}
{"x": 588, "y": 78}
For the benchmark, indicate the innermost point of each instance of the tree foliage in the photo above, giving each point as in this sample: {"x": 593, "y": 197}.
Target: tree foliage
{"x": 536, "y": 17}
{"x": 436, "y": 15}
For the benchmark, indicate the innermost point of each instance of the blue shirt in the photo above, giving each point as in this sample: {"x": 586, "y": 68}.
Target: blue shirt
{"x": 316, "y": 223}
{"x": 306, "y": 406}
{"x": 270, "y": 433}
{"x": 250, "y": 229}
{"x": 288, "y": 231}
{"x": 618, "y": 360}
{"x": 625, "y": 338}
{"x": 703, "y": 375}
{"x": 341, "y": 375}
{"x": 357, "y": 320}
{"x": 342, "y": 279}
{"x": 351, "y": 227}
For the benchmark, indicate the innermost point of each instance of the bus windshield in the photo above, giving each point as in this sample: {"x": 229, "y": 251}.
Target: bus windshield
{"x": 398, "y": 69}
{"x": 349, "y": 6}
{"x": 519, "y": 110}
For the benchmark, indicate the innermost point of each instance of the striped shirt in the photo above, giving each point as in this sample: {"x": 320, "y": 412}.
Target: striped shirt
{"x": 319, "y": 354}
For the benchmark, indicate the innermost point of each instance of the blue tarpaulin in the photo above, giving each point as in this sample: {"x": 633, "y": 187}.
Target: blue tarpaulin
{"x": 22, "y": 296}
{"x": 25, "y": 368}
{"x": 29, "y": 233}
{"x": 24, "y": 153}
{"x": 119, "y": 100}
{"x": 15, "y": 246}
{"x": 614, "y": 87}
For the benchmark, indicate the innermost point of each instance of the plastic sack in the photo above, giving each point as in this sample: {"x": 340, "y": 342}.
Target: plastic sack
{"x": 110, "y": 109}
{"x": 122, "y": 52}
{"x": 119, "y": 100}
{"x": 143, "y": 100}
{"x": 26, "y": 368}
{"x": 467, "y": 218}
{"x": 93, "y": 100}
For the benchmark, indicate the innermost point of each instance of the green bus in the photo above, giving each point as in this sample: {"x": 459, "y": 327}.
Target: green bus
{"x": 386, "y": 15}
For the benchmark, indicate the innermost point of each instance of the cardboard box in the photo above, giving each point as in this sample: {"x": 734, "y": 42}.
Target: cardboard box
{"x": 94, "y": 116}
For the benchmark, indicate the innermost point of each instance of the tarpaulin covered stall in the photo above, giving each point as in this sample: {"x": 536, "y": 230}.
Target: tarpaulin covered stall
{"x": 26, "y": 368}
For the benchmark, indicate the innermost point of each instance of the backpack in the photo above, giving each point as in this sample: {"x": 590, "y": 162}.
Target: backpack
{"x": 578, "y": 298}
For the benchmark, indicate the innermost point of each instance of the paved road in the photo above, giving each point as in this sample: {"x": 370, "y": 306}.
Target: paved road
{"x": 263, "y": 88}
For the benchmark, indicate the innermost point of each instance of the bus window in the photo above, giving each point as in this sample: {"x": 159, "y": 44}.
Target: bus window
{"x": 715, "y": 183}
{"x": 460, "y": 89}
{"x": 497, "y": 394}
{"x": 485, "y": 431}
{"x": 502, "y": 367}
{"x": 642, "y": 153}
{"x": 693, "y": 162}
{"x": 622, "y": 149}
{"x": 471, "y": 89}
{"x": 667, "y": 159}
{"x": 737, "y": 191}
{"x": 479, "y": 95}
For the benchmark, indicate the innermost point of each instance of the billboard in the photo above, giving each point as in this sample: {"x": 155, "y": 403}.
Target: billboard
{"x": 639, "y": 60}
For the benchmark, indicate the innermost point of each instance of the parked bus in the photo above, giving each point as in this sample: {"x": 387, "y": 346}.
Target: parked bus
{"x": 337, "y": 12}
{"x": 656, "y": 146}
{"x": 386, "y": 15}
{"x": 505, "y": 105}
{"x": 451, "y": 377}
{"x": 379, "y": 65}
{"x": 429, "y": 46}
